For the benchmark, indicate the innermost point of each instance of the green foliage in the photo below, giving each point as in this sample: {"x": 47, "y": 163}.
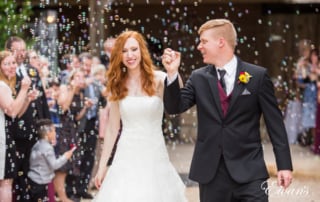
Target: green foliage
{"x": 14, "y": 19}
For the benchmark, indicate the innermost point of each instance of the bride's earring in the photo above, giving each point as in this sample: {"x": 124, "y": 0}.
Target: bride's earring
{"x": 124, "y": 69}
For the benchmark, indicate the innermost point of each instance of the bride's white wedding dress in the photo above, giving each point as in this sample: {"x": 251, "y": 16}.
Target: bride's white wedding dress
{"x": 141, "y": 170}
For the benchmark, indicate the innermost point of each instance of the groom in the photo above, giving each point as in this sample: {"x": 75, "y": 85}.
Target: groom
{"x": 230, "y": 95}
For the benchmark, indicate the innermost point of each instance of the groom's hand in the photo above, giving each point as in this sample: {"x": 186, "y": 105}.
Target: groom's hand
{"x": 171, "y": 61}
{"x": 284, "y": 178}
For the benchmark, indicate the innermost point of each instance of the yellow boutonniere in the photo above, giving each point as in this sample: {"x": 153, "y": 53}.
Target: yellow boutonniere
{"x": 244, "y": 77}
{"x": 32, "y": 72}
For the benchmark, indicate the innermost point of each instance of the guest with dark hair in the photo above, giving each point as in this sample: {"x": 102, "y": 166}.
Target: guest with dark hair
{"x": 73, "y": 107}
{"x": 43, "y": 161}
{"x": 68, "y": 62}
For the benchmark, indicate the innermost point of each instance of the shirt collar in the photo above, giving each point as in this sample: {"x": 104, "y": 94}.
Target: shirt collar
{"x": 230, "y": 67}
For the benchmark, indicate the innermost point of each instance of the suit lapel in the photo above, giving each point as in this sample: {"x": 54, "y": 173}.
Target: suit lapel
{"x": 212, "y": 79}
{"x": 238, "y": 87}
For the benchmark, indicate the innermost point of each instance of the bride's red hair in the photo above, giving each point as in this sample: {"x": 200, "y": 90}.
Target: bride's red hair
{"x": 117, "y": 77}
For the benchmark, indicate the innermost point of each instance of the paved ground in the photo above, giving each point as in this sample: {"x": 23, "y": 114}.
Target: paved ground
{"x": 301, "y": 190}
{"x": 305, "y": 186}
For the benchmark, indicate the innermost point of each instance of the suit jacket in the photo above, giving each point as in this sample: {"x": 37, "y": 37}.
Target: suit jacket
{"x": 101, "y": 102}
{"x": 236, "y": 136}
{"x": 25, "y": 126}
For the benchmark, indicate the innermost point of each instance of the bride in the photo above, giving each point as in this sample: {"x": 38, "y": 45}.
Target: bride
{"x": 141, "y": 170}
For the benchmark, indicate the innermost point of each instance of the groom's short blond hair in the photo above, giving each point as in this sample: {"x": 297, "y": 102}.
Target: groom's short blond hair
{"x": 222, "y": 28}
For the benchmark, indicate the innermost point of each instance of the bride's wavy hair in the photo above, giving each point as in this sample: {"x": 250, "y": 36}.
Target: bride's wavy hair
{"x": 117, "y": 74}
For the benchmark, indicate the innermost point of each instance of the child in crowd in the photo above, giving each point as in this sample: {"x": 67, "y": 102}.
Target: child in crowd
{"x": 43, "y": 161}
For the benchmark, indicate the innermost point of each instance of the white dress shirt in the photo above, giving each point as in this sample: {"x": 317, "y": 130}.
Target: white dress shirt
{"x": 22, "y": 68}
{"x": 229, "y": 77}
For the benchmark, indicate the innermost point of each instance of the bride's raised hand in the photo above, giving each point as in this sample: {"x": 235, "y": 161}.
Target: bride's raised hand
{"x": 100, "y": 176}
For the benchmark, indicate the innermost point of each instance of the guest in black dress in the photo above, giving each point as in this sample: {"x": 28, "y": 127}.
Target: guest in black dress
{"x": 12, "y": 105}
{"x": 73, "y": 108}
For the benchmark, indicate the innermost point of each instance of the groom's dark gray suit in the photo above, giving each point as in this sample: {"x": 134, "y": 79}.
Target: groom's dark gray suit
{"x": 235, "y": 136}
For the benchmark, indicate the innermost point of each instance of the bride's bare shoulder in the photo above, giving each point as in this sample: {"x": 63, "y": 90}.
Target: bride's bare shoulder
{"x": 159, "y": 79}
{"x": 160, "y": 75}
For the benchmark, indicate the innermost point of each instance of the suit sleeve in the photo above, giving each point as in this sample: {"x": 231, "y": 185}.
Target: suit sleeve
{"x": 53, "y": 162}
{"x": 274, "y": 123}
{"x": 177, "y": 99}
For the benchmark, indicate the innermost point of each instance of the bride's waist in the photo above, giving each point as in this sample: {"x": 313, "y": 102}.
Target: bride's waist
{"x": 145, "y": 130}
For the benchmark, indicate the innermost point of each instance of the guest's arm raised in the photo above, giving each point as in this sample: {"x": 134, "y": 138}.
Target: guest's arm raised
{"x": 31, "y": 96}
{"x": 12, "y": 107}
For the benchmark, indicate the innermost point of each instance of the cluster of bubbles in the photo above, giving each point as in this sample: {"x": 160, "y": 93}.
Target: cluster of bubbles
{"x": 174, "y": 23}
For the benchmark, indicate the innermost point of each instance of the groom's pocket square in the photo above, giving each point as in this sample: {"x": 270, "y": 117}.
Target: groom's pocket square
{"x": 246, "y": 92}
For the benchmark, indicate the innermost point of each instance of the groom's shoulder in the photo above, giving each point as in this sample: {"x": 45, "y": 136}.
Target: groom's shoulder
{"x": 253, "y": 68}
{"x": 202, "y": 70}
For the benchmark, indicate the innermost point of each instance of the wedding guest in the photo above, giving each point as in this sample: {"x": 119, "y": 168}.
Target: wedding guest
{"x": 12, "y": 104}
{"x": 96, "y": 60}
{"x": 231, "y": 96}
{"x": 99, "y": 74}
{"x": 34, "y": 61}
{"x": 52, "y": 93}
{"x": 88, "y": 128}
{"x": 293, "y": 113}
{"x": 17, "y": 46}
{"x": 314, "y": 60}
{"x": 73, "y": 106}
{"x": 107, "y": 48}
{"x": 43, "y": 161}
{"x": 45, "y": 74}
{"x": 68, "y": 63}
{"x": 135, "y": 92}
{"x": 306, "y": 79}
{"x": 302, "y": 65}
{"x": 316, "y": 67}
{"x": 315, "y": 148}
{"x": 23, "y": 128}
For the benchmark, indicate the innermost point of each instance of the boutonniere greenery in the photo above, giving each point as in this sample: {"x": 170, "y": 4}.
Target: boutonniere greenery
{"x": 32, "y": 72}
{"x": 244, "y": 77}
